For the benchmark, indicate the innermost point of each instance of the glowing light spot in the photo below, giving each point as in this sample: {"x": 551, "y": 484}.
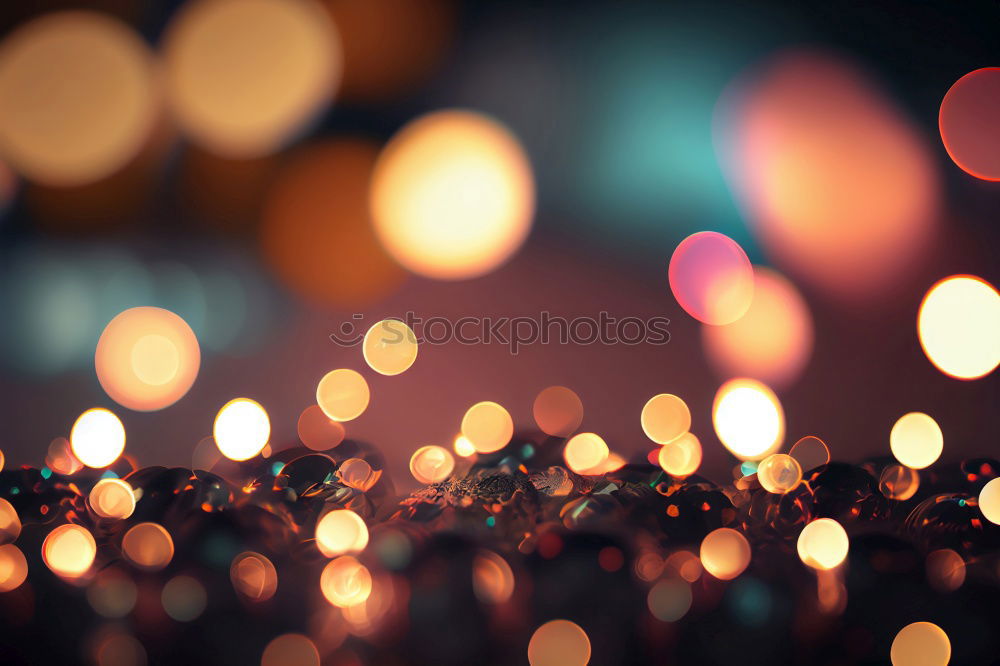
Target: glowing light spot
{"x": 669, "y": 600}
{"x": 244, "y": 76}
{"x": 748, "y": 419}
{"x": 711, "y": 278}
{"x": 463, "y": 446}
{"x": 69, "y": 550}
{"x": 345, "y": 582}
{"x": 112, "y": 498}
{"x": 664, "y": 418}
{"x": 390, "y": 347}
{"x": 241, "y": 429}
{"x": 97, "y": 438}
{"x": 148, "y": 546}
{"x": 121, "y": 650}
{"x": 959, "y": 326}
{"x": 899, "y": 482}
{"x": 681, "y": 457}
{"x": 968, "y": 123}
{"x": 10, "y": 523}
{"x": 920, "y": 644}
{"x": 492, "y": 578}
{"x": 685, "y": 564}
{"x": 431, "y": 464}
{"x": 810, "y": 452}
{"x": 78, "y": 97}
{"x": 358, "y": 474}
{"x": 13, "y": 567}
{"x": 585, "y": 451}
{"x": 488, "y": 426}
{"x": 253, "y": 576}
{"x": 290, "y": 650}
{"x": 823, "y": 544}
{"x": 184, "y": 598}
{"x": 916, "y": 440}
{"x": 452, "y": 195}
{"x": 112, "y": 594}
{"x": 725, "y": 553}
{"x": 318, "y": 431}
{"x": 559, "y": 643}
{"x": 343, "y": 394}
{"x": 60, "y": 458}
{"x": 558, "y": 411}
{"x": 341, "y": 531}
{"x": 989, "y": 501}
{"x": 779, "y": 473}
{"x": 147, "y": 358}
{"x": 945, "y": 570}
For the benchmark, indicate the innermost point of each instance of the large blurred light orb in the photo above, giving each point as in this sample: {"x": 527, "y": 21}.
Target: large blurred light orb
{"x": 345, "y": 582}
{"x": 968, "y": 123}
{"x": 711, "y": 278}
{"x": 78, "y": 97}
{"x": 492, "y": 578}
{"x": 13, "y": 567}
{"x": 823, "y": 544}
{"x": 558, "y": 411}
{"x": 290, "y": 650}
{"x": 389, "y": 347}
{"x": 748, "y": 419}
{"x": 810, "y": 452}
{"x": 725, "y": 553}
{"x": 670, "y": 599}
{"x": 583, "y": 453}
{"x": 343, "y": 394}
{"x": 989, "y": 501}
{"x": 317, "y": 430}
{"x": 779, "y": 473}
{"x": 184, "y": 598}
{"x": 10, "y": 523}
{"x": 559, "y": 643}
{"x": 920, "y": 644}
{"x": 253, "y": 576}
{"x": 341, "y": 531}
{"x": 245, "y": 76}
{"x": 69, "y": 551}
{"x": 112, "y": 498}
{"x": 959, "y": 326}
{"x": 148, "y": 546}
{"x": 664, "y": 418}
{"x": 680, "y": 457}
{"x": 899, "y": 482}
{"x": 487, "y": 426}
{"x": 97, "y": 438}
{"x": 431, "y": 464}
{"x": 147, "y": 358}
{"x": 241, "y": 429}
{"x": 452, "y": 195}
{"x": 916, "y": 440}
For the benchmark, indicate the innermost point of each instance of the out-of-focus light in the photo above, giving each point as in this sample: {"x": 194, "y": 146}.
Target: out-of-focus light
{"x": 69, "y": 551}
{"x": 559, "y": 643}
{"x": 241, "y": 429}
{"x": 711, "y": 278}
{"x": 97, "y": 438}
{"x": 810, "y": 452}
{"x": 112, "y": 498}
{"x": 463, "y": 446}
{"x": 968, "y": 123}
{"x": 585, "y": 451}
{"x": 121, "y": 649}
{"x": 492, "y": 578}
{"x": 341, "y": 531}
{"x": 725, "y": 553}
{"x": 245, "y": 76}
{"x": 920, "y": 644}
{"x": 685, "y": 564}
{"x": 488, "y": 426}
{"x": 431, "y": 464}
{"x": 147, "y": 358}
{"x": 78, "y": 97}
{"x": 837, "y": 183}
{"x": 184, "y": 598}
{"x": 669, "y": 600}
{"x": 10, "y": 523}
{"x": 945, "y": 570}
{"x": 148, "y": 546}
{"x": 345, "y": 582}
{"x": 899, "y": 482}
{"x": 452, "y": 195}
{"x": 681, "y": 457}
{"x": 772, "y": 341}
{"x": 318, "y": 431}
{"x": 343, "y": 394}
{"x": 779, "y": 473}
{"x": 823, "y": 544}
{"x": 664, "y": 418}
{"x": 959, "y": 326}
{"x": 13, "y": 567}
{"x": 60, "y": 458}
{"x": 916, "y": 440}
{"x": 290, "y": 650}
{"x": 989, "y": 501}
{"x": 389, "y": 347}
{"x": 748, "y": 419}
{"x": 112, "y": 594}
{"x": 358, "y": 474}
{"x": 558, "y": 411}
{"x": 253, "y": 576}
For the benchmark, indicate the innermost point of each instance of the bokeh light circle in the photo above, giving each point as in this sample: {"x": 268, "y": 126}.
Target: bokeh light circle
{"x": 97, "y": 438}
{"x": 488, "y": 426}
{"x": 431, "y": 464}
{"x": 345, "y": 582}
{"x": 779, "y": 473}
{"x": 748, "y": 418}
{"x": 945, "y": 570}
{"x": 670, "y": 599}
{"x": 583, "y": 453}
{"x": 823, "y": 544}
{"x": 290, "y": 650}
{"x": 389, "y": 347}
{"x": 920, "y": 644}
{"x": 343, "y": 394}
{"x": 69, "y": 550}
{"x": 317, "y": 430}
{"x": 681, "y": 457}
{"x": 184, "y": 598}
{"x": 148, "y": 546}
{"x": 916, "y": 440}
{"x": 810, "y": 452}
{"x": 899, "y": 482}
{"x": 711, "y": 278}
{"x": 10, "y": 522}
{"x": 253, "y": 576}
{"x": 559, "y": 643}
{"x": 13, "y": 567}
{"x": 241, "y": 429}
{"x": 989, "y": 501}
{"x": 959, "y": 326}
{"x": 664, "y": 418}
{"x": 968, "y": 123}
{"x": 558, "y": 411}
{"x": 725, "y": 553}
{"x": 341, "y": 531}
{"x": 492, "y": 578}
{"x": 112, "y": 498}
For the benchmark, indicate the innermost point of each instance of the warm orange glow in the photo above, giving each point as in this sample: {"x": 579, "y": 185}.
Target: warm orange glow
{"x": 779, "y": 473}
{"x": 823, "y": 544}
{"x": 585, "y": 451}
{"x": 685, "y": 564}
{"x": 97, "y": 438}
{"x": 10, "y": 523}
{"x": 112, "y": 594}
{"x": 341, "y": 531}
{"x": 463, "y": 446}
{"x": 60, "y": 458}
{"x": 669, "y": 600}
{"x": 431, "y": 464}
{"x": 148, "y": 546}
{"x": 389, "y": 347}
{"x": 748, "y": 419}
{"x": 711, "y": 278}
{"x": 290, "y": 650}
{"x": 772, "y": 341}
{"x": 13, "y": 567}
{"x": 343, "y": 394}
{"x": 664, "y": 418}
{"x": 916, "y": 440}
{"x": 120, "y": 649}
{"x": 452, "y": 195}
{"x": 558, "y": 411}
{"x": 681, "y": 457}
{"x": 241, "y": 429}
{"x": 78, "y": 97}
{"x": 69, "y": 550}
{"x": 989, "y": 501}
{"x": 959, "y": 326}
{"x": 945, "y": 570}
{"x": 487, "y": 426}
{"x": 318, "y": 431}
{"x": 492, "y": 578}
{"x": 968, "y": 123}
{"x": 920, "y": 644}
{"x": 147, "y": 358}
{"x": 345, "y": 582}
{"x": 244, "y": 76}
{"x": 358, "y": 474}
{"x": 899, "y": 482}
{"x": 810, "y": 452}
{"x": 253, "y": 576}
{"x": 725, "y": 553}
{"x": 112, "y": 498}
{"x": 559, "y": 643}
{"x": 184, "y": 598}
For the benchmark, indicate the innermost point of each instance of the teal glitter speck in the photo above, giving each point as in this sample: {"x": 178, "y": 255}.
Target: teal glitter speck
{"x": 46, "y": 472}
{"x": 961, "y": 502}
{"x": 491, "y": 521}
{"x": 15, "y": 491}
{"x": 108, "y": 474}
{"x": 276, "y": 468}
{"x": 527, "y": 451}
{"x": 749, "y": 467}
